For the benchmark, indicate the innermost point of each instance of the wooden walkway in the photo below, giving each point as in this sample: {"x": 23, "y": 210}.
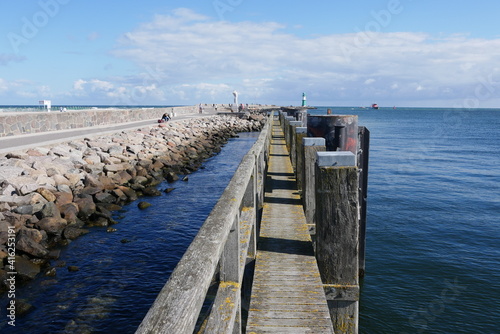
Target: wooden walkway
{"x": 287, "y": 292}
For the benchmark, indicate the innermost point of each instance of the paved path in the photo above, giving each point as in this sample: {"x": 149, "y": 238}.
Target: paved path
{"x": 287, "y": 292}
{"x": 26, "y": 141}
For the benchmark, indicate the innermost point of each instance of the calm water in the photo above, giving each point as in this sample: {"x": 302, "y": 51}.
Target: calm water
{"x": 433, "y": 234}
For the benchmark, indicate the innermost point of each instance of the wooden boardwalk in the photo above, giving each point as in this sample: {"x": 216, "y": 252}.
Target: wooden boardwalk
{"x": 287, "y": 292}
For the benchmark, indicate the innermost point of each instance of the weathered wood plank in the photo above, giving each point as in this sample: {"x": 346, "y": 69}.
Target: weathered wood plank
{"x": 289, "y": 330}
{"x": 225, "y": 310}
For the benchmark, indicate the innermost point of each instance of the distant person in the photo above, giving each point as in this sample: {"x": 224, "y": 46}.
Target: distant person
{"x": 329, "y": 111}
{"x": 165, "y": 117}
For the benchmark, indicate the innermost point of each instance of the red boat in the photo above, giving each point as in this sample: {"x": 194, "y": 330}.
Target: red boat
{"x": 374, "y": 106}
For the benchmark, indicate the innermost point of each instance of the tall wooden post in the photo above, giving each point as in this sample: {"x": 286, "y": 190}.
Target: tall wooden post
{"x": 311, "y": 147}
{"x": 300, "y": 133}
{"x": 292, "y": 137}
{"x": 363, "y": 155}
{"x": 337, "y": 236}
{"x": 286, "y": 131}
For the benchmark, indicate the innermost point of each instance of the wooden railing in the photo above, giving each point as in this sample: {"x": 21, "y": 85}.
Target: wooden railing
{"x": 223, "y": 244}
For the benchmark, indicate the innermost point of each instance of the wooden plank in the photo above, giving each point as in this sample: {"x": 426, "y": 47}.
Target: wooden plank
{"x": 225, "y": 310}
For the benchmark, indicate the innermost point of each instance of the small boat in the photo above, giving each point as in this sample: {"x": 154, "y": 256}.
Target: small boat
{"x": 374, "y": 106}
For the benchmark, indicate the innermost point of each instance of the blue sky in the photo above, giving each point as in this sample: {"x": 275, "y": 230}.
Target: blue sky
{"x": 341, "y": 53}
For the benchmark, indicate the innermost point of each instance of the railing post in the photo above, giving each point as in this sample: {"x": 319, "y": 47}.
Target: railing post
{"x": 337, "y": 236}
{"x": 230, "y": 267}
{"x": 252, "y": 191}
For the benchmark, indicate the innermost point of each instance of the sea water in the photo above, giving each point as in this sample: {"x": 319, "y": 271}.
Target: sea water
{"x": 433, "y": 230}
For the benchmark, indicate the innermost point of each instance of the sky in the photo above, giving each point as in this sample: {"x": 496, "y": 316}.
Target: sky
{"x": 421, "y": 53}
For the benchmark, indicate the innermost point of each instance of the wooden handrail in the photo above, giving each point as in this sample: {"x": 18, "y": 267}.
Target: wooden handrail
{"x": 177, "y": 307}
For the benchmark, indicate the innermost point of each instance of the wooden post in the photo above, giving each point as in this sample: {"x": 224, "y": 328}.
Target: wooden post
{"x": 300, "y": 133}
{"x": 337, "y": 236}
{"x": 292, "y": 137}
{"x": 230, "y": 267}
{"x": 363, "y": 156}
{"x": 286, "y": 131}
{"x": 340, "y": 131}
{"x": 311, "y": 147}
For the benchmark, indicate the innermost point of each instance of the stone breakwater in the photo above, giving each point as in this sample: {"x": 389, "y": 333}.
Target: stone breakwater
{"x": 35, "y": 122}
{"x": 49, "y": 195}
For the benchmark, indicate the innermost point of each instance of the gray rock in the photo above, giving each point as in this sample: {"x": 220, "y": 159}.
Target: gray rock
{"x": 114, "y": 168}
{"x": 52, "y": 225}
{"x": 72, "y": 233}
{"x": 86, "y": 206}
{"x": 104, "y": 197}
{"x": 50, "y": 209}
{"x": 143, "y": 205}
{"x": 9, "y": 172}
{"x": 9, "y": 190}
{"x": 29, "y": 242}
{"x": 26, "y": 269}
{"x": 24, "y": 209}
{"x": 151, "y": 191}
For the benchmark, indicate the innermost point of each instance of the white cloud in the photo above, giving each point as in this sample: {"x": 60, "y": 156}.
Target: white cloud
{"x": 263, "y": 61}
{"x": 185, "y": 58}
{"x": 29, "y": 91}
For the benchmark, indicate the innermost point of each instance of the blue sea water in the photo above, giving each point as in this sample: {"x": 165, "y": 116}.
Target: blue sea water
{"x": 433, "y": 230}
{"x": 432, "y": 257}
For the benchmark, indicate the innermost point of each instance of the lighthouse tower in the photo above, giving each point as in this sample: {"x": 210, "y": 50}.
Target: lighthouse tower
{"x": 304, "y": 102}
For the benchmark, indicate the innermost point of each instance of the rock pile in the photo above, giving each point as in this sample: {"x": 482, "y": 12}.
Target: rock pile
{"x": 48, "y": 195}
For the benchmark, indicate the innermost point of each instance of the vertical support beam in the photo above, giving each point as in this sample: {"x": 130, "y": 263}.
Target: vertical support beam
{"x": 292, "y": 137}
{"x": 311, "y": 147}
{"x": 337, "y": 236}
{"x": 300, "y": 133}
{"x": 339, "y": 131}
{"x": 230, "y": 266}
{"x": 286, "y": 131}
{"x": 253, "y": 184}
{"x": 230, "y": 261}
{"x": 363, "y": 157}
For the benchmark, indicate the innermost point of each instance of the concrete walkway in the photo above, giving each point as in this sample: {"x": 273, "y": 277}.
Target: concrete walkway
{"x": 287, "y": 293}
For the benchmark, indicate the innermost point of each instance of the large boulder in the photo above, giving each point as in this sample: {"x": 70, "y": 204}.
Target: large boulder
{"x": 69, "y": 212}
{"x": 25, "y": 269}
{"x": 52, "y": 225}
{"x": 28, "y": 241}
{"x": 86, "y": 206}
